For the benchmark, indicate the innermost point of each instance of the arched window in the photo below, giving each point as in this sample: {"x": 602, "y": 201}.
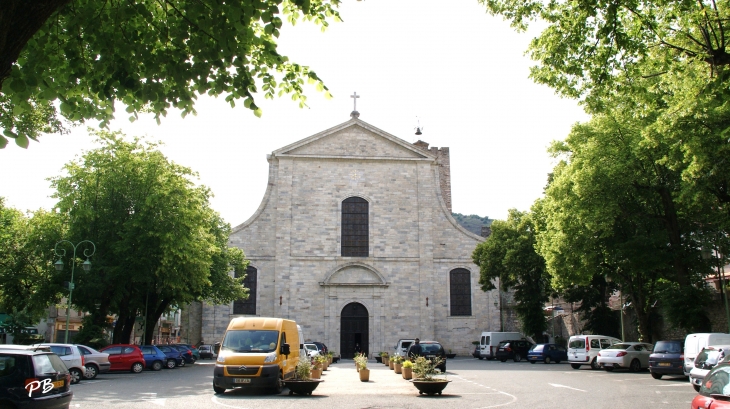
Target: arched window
{"x": 248, "y": 306}
{"x": 460, "y": 285}
{"x": 355, "y": 234}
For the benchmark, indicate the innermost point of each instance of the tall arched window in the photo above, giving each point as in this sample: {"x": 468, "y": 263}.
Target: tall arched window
{"x": 355, "y": 234}
{"x": 248, "y": 306}
{"x": 460, "y": 285}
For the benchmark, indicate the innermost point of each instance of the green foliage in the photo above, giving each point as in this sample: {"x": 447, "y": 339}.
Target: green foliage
{"x": 304, "y": 368}
{"x": 16, "y": 324}
{"x": 159, "y": 245}
{"x": 27, "y": 275}
{"x": 593, "y": 306}
{"x": 91, "y": 334}
{"x": 425, "y": 369}
{"x": 151, "y": 56}
{"x": 472, "y": 222}
{"x": 509, "y": 256}
{"x": 689, "y": 316}
{"x": 361, "y": 360}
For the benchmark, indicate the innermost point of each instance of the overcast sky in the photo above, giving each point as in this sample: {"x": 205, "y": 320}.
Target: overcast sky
{"x": 459, "y": 71}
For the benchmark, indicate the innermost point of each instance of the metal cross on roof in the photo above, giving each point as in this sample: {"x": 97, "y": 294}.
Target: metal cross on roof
{"x": 354, "y": 112}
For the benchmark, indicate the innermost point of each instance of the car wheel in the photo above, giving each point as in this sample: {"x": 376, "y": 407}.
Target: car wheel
{"x": 218, "y": 390}
{"x": 635, "y": 366}
{"x": 442, "y": 369}
{"x": 91, "y": 372}
{"x": 481, "y": 357}
{"x": 547, "y": 360}
{"x": 502, "y": 360}
{"x": 171, "y": 363}
{"x": 182, "y": 363}
{"x": 76, "y": 375}
{"x": 279, "y": 386}
{"x": 697, "y": 387}
{"x": 575, "y": 366}
{"x": 137, "y": 367}
{"x": 518, "y": 358}
{"x": 656, "y": 375}
{"x": 557, "y": 361}
{"x": 594, "y": 364}
{"x": 533, "y": 362}
{"x": 156, "y": 366}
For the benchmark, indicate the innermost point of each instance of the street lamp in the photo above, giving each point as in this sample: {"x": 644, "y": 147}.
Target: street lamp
{"x": 86, "y": 265}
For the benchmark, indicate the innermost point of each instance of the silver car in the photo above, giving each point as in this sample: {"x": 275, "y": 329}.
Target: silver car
{"x": 706, "y": 360}
{"x": 71, "y": 356}
{"x": 96, "y": 362}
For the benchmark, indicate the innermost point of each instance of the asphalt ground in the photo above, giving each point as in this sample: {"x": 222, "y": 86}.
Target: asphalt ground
{"x": 474, "y": 384}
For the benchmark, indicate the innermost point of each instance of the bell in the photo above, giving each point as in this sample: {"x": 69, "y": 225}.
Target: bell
{"x": 418, "y": 131}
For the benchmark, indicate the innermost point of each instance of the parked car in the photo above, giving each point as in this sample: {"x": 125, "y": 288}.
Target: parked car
{"x": 25, "y": 372}
{"x": 154, "y": 359}
{"x": 715, "y": 390}
{"x": 489, "y": 342}
{"x": 312, "y": 349}
{"x": 174, "y": 357}
{"x": 475, "y": 354}
{"x": 401, "y": 348}
{"x": 96, "y": 362}
{"x": 706, "y": 360}
{"x": 583, "y": 349}
{"x": 631, "y": 355}
{"x": 667, "y": 359}
{"x": 547, "y": 353}
{"x": 186, "y": 353}
{"x": 125, "y": 357}
{"x": 694, "y": 343}
{"x": 193, "y": 350}
{"x": 515, "y": 349}
{"x": 206, "y": 352}
{"x": 71, "y": 356}
{"x": 432, "y": 350}
{"x": 321, "y": 346}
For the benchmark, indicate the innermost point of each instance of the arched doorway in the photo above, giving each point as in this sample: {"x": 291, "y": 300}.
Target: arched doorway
{"x": 353, "y": 329}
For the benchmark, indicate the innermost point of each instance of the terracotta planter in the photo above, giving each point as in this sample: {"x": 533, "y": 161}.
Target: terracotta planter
{"x": 397, "y": 368}
{"x": 302, "y": 387}
{"x": 407, "y": 373}
{"x": 318, "y": 366}
{"x": 430, "y": 387}
{"x": 325, "y": 366}
{"x": 391, "y": 364}
{"x": 385, "y": 360}
{"x": 364, "y": 375}
{"x": 316, "y": 373}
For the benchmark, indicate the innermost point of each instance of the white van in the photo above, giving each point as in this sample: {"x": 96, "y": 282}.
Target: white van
{"x": 694, "y": 343}
{"x": 583, "y": 349}
{"x": 489, "y": 342}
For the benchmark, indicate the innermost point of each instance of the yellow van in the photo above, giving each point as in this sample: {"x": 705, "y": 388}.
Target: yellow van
{"x": 256, "y": 353}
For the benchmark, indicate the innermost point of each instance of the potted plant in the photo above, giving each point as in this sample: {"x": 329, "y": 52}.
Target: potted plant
{"x": 391, "y": 362}
{"x": 302, "y": 383}
{"x": 385, "y": 358}
{"x": 425, "y": 380}
{"x": 362, "y": 363}
{"x": 397, "y": 363}
{"x": 322, "y": 362}
{"x": 379, "y": 357}
{"x": 407, "y": 370}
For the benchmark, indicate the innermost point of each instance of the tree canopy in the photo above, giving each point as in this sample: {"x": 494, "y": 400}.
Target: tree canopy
{"x": 159, "y": 245}
{"x": 83, "y": 56}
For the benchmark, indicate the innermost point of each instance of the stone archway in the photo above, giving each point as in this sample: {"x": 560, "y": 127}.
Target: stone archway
{"x": 353, "y": 329}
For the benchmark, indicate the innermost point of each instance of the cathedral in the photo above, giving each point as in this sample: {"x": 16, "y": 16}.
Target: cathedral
{"x": 354, "y": 240}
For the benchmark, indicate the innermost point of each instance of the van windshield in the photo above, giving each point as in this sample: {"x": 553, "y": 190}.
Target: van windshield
{"x": 250, "y": 341}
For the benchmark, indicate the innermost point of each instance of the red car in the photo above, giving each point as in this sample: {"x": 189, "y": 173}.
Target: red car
{"x": 715, "y": 389}
{"x": 125, "y": 357}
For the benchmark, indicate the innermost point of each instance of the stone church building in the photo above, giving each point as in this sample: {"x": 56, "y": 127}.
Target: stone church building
{"x": 354, "y": 240}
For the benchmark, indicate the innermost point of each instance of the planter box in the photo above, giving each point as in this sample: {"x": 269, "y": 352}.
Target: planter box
{"x": 302, "y": 387}
{"x": 430, "y": 387}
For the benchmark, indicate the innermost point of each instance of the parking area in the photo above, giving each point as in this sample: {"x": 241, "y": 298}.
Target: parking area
{"x": 474, "y": 384}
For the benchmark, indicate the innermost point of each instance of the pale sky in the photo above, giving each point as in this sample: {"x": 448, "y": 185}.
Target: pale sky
{"x": 459, "y": 71}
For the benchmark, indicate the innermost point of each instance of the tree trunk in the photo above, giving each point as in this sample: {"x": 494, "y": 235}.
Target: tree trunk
{"x": 19, "y": 21}
{"x": 675, "y": 236}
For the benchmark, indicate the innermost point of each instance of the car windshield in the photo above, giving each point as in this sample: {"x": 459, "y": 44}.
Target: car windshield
{"x": 250, "y": 341}
{"x": 717, "y": 382}
{"x": 537, "y": 348}
{"x": 432, "y": 348}
{"x": 668, "y": 347}
{"x": 708, "y": 358}
{"x": 619, "y": 346}
{"x": 48, "y": 364}
{"x": 579, "y": 343}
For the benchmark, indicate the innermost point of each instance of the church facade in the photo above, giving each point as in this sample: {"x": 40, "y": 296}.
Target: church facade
{"x": 354, "y": 240}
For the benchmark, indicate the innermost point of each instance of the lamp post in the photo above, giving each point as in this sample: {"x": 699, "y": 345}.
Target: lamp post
{"x": 86, "y": 265}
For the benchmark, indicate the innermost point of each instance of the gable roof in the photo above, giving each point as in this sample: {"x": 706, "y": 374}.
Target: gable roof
{"x": 354, "y": 139}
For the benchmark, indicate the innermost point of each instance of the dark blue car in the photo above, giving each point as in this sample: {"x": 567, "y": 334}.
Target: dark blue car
{"x": 155, "y": 358}
{"x": 547, "y": 353}
{"x": 174, "y": 357}
{"x": 186, "y": 352}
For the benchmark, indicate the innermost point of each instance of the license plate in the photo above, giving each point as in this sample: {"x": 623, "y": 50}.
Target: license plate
{"x": 665, "y": 364}
{"x": 59, "y": 384}
{"x": 430, "y": 356}
{"x": 241, "y": 380}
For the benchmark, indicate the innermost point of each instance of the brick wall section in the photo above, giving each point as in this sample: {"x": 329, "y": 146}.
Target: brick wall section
{"x": 444, "y": 161}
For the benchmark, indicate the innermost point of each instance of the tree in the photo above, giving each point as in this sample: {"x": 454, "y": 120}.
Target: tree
{"x": 509, "y": 257}
{"x": 27, "y": 275}
{"x": 158, "y": 243}
{"x": 149, "y": 55}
